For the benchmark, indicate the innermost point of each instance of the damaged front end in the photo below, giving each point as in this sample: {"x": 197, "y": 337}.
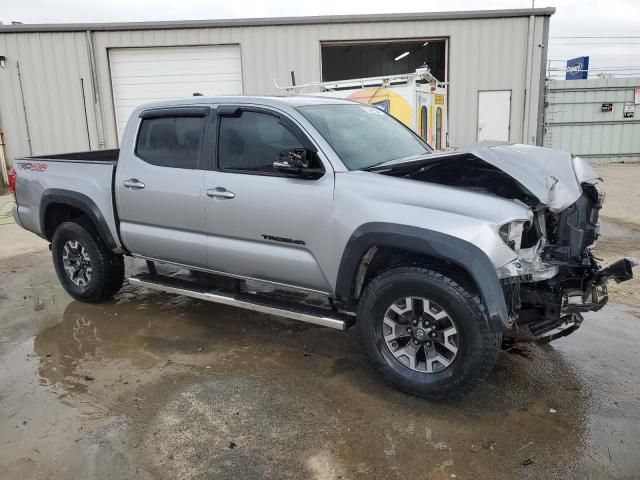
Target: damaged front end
{"x": 554, "y": 276}
{"x": 557, "y": 277}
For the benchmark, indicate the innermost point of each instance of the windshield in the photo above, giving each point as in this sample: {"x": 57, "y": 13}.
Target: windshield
{"x": 364, "y": 136}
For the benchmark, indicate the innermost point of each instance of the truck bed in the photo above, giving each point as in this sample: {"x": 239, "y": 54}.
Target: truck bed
{"x": 105, "y": 156}
{"x": 82, "y": 179}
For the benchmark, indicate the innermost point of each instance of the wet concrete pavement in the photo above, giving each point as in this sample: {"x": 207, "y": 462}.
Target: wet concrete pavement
{"x": 157, "y": 386}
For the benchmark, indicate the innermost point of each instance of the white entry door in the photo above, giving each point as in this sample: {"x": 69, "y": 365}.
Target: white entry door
{"x": 494, "y": 113}
{"x": 147, "y": 74}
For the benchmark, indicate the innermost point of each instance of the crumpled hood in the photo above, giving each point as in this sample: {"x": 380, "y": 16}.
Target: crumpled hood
{"x": 551, "y": 175}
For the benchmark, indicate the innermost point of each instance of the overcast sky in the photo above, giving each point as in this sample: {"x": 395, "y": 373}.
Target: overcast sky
{"x": 574, "y": 18}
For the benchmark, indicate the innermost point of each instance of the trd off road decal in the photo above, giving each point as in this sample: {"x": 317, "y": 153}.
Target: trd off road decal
{"x": 33, "y": 166}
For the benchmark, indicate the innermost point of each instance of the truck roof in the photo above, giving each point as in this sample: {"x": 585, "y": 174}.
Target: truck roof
{"x": 272, "y": 101}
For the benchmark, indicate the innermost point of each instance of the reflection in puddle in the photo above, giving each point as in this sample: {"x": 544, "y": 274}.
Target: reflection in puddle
{"x": 80, "y": 338}
{"x": 145, "y": 330}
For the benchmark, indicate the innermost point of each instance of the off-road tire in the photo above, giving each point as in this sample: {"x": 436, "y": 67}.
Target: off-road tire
{"x": 478, "y": 346}
{"x": 107, "y": 267}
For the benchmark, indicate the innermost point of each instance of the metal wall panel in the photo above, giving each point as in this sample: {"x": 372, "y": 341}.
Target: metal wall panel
{"x": 54, "y": 69}
{"x": 484, "y": 54}
{"x": 575, "y": 122}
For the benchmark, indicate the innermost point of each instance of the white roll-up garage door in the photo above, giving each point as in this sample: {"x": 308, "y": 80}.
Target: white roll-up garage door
{"x": 142, "y": 75}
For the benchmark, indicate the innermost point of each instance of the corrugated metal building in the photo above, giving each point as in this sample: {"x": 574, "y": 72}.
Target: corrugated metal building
{"x": 589, "y": 118}
{"x": 70, "y": 87}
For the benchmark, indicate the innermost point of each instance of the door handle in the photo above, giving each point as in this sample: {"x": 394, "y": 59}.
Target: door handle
{"x": 133, "y": 184}
{"x": 220, "y": 192}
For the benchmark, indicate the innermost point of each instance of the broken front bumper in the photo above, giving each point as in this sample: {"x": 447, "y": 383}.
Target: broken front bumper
{"x": 594, "y": 299}
{"x": 545, "y": 311}
{"x": 576, "y": 295}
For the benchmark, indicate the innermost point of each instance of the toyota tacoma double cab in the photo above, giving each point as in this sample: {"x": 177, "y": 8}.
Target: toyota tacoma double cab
{"x": 439, "y": 259}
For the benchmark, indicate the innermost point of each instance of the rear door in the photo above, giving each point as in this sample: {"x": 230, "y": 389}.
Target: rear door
{"x": 159, "y": 186}
{"x": 260, "y": 223}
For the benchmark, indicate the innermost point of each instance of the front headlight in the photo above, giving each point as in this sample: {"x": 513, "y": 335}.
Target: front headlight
{"x": 528, "y": 265}
{"x": 533, "y": 270}
{"x": 511, "y": 233}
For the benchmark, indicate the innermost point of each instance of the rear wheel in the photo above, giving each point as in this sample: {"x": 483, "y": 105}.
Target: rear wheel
{"x": 425, "y": 334}
{"x": 88, "y": 270}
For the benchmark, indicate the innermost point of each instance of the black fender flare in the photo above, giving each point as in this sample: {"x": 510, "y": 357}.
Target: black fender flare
{"x": 432, "y": 243}
{"x": 81, "y": 202}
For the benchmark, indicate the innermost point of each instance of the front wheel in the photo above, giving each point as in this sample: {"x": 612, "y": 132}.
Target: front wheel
{"x": 425, "y": 334}
{"x": 85, "y": 266}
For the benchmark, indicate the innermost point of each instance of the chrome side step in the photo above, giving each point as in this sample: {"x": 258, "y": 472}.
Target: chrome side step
{"x": 258, "y": 303}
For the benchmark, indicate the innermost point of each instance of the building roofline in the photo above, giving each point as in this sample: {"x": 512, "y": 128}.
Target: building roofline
{"x": 261, "y": 22}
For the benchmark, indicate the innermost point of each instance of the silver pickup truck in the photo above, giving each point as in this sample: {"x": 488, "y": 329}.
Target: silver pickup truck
{"x": 440, "y": 260}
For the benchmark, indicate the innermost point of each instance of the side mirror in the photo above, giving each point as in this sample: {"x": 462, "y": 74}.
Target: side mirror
{"x": 292, "y": 161}
{"x": 297, "y": 163}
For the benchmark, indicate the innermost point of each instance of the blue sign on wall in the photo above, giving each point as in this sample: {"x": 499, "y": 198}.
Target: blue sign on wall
{"x": 577, "y": 68}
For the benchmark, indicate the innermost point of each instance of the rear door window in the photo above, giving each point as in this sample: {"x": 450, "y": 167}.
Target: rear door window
{"x": 171, "y": 141}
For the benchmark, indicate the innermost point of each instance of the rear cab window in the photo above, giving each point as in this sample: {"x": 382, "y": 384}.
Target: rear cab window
{"x": 171, "y": 141}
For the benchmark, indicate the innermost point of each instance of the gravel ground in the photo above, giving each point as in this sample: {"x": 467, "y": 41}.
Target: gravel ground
{"x": 156, "y": 386}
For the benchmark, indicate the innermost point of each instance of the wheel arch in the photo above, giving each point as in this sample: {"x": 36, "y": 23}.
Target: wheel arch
{"x": 59, "y": 205}
{"x": 441, "y": 250}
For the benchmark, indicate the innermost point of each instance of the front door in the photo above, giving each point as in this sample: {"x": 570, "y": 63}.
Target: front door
{"x": 159, "y": 189}
{"x": 260, "y": 223}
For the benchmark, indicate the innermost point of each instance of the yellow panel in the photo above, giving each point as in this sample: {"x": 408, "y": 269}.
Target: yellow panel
{"x": 397, "y": 105}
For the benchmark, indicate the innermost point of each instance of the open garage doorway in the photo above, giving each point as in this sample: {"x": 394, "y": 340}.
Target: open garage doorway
{"x": 391, "y": 76}
{"x": 375, "y": 58}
